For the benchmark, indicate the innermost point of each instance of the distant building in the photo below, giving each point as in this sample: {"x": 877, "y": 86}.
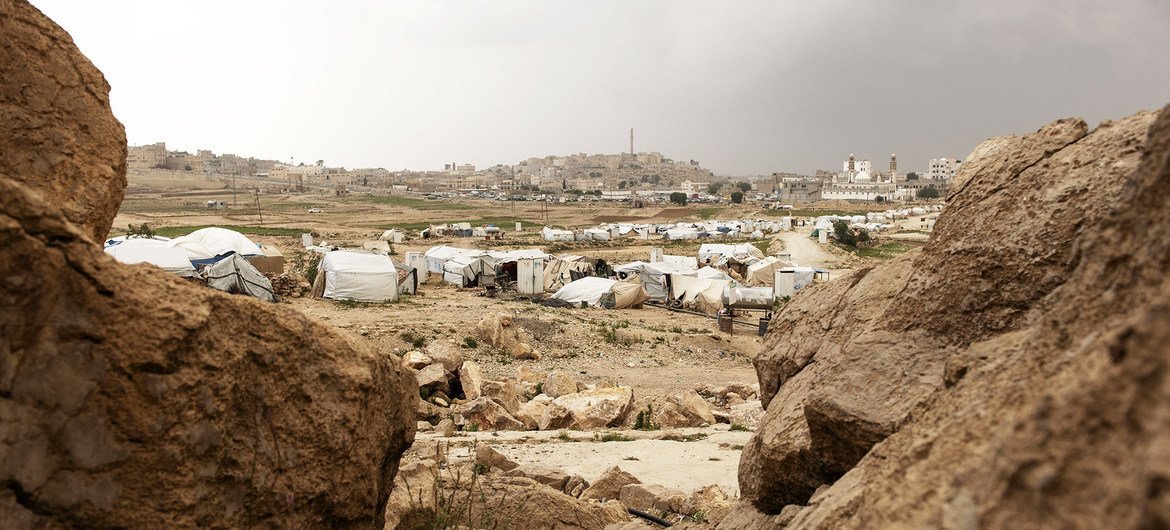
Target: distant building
{"x": 858, "y": 182}
{"x": 799, "y": 190}
{"x": 942, "y": 168}
{"x": 147, "y": 156}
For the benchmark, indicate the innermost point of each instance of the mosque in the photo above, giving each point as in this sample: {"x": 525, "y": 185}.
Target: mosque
{"x": 859, "y": 182}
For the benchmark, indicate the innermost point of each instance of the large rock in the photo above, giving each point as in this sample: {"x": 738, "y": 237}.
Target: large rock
{"x": 602, "y": 407}
{"x": 446, "y": 353}
{"x": 555, "y": 416}
{"x": 547, "y": 475}
{"x": 413, "y": 501}
{"x": 486, "y": 415}
{"x": 518, "y": 503}
{"x": 1014, "y": 370}
{"x": 558, "y": 384}
{"x": 653, "y": 498}
{"x": 684, "y": 409}
{"x": 530, "y": 414}
{"x": 488, "y": 456}
{"x": 471, "y": 378}
{"x": 504, "y": 393}
{"x": 115, "y": 373}
{"x": 609, "y": 484}
{"x": 132, "y": 398}
{"x": 433, "y": 378}
{"x": 498, "y": 332}
{"x": 60, "y": 137}
{"x": 417, "y": 360}
{"x": 747, "y": 414}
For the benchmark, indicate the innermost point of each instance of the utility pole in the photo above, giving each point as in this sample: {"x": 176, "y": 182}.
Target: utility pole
{"x": 258, "y": 210}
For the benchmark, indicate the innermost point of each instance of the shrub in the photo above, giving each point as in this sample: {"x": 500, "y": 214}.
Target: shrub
{"x": 737, "y": 197}
{"x": 844, "y": 234}
{"x": 470, "y": 343}
{"x": 929, "y": 192}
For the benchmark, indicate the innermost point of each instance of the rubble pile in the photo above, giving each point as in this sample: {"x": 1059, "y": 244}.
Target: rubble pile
{"x": 1012, "y": 373}
{"x": 289, "y": 285}
{"x": 456, "y": 390}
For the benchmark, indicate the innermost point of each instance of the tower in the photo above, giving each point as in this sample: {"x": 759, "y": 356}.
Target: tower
{"x": 893, "y": 162}
{"x": 631, "y": 141}
{"x": 850, "y": 162}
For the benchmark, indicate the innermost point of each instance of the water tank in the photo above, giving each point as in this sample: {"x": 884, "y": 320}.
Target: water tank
{"x": 740, "y": 297}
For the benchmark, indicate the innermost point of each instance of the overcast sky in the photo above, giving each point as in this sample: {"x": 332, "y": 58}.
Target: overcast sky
{"x": 742, "y": 87}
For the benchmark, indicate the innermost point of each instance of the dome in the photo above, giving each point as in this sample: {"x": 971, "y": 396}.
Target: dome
{"x": 862, "y": 176}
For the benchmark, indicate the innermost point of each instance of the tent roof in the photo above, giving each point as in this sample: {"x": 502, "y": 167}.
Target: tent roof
{"x": 588, "y": 290}
{"x": 214, "y": 241}
{"x": 356, "y": 262}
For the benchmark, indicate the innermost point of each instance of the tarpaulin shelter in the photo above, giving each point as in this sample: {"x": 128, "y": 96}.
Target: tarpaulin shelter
{"x": 558, "y": 271}
{"x": 700, "y": 294}
{"x": 234, "y": 274}
{"x": 356, "y": 275}
{"x": 211, "y": 244}
{"x": 602, "y": 292}
{"x": 763, "y": 272}
{"x": 152, "y": 251}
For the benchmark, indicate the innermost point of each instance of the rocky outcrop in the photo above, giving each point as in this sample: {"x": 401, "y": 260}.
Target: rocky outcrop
{"x": 609, "y": 484}
{"x": 1012, "y": 373}
{"x": 60, "y": 137}
{"x": 132, "y": 398}
{"x": 601, "y": 407}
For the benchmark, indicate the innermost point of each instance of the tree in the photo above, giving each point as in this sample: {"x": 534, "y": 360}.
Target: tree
{"x": 844, "y": 234}
{"x": 879, "y": 199}
{"x": 912, "y": 176}
{"x": 713, "y": 188}
{"x": 678, "y": 198}
{"x": 745, "y": 186}
{"x": 622, "y": 185}
{"x": 928, "y": 192}
{"x": 737, "y": 197}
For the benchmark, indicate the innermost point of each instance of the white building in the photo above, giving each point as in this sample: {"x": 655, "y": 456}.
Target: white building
{"x": 859, "y": 182}
{"x": 942, "y": 168}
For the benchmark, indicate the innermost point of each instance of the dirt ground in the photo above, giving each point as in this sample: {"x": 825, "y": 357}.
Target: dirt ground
{"x": 654, "y": 350}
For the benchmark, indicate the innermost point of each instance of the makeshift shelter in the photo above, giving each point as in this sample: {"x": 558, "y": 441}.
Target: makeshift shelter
{"x": 700, "y": 294}
{"x": 407, "y": 278}
{"x": 463, "y": 270}
{"x": 603, "y": 292}
{"x": 209, "y": 245}
{"x": 558, "y": 271}
{"x": 154, "y": 252}
{"x": 438, "y": 256}
{"x": 717, "y": 253}
{"x": 356, "y": 275}
{"x": 554, "y": 234}
{"x": 711, "y": 273}
{"x": 763, "y": 272}
{"x": 391, "y": 235}
{"x": 654, "y": 277}
{"x": 234, "y": 274}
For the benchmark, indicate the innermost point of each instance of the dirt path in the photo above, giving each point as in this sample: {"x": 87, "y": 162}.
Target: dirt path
{"x": 805, "y": 251}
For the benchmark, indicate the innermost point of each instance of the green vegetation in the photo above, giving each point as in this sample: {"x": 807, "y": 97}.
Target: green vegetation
{"x": 763, "y": 245}
{"x": 744, "y": 187}
{"x": 142, "y": 230}
{"x": 929, "y": 192}
{"x": 738, "y": 427}
{"x": 844, "y": 234}
{"x": 411, "y": 202}
{"x": 714, "y": 187}
{"x": 176, "y": 231}
{"x": 707, "y": 213}
{"x": 678, "y": 198}
{"x": 884, "y": 251}
{"x": 471, "y": 427}
{"x": 615, "y": 437}
{"x": 684, "y": 437}
{"x": 737, "y": 197}
{"x": 412, "y": 339}
{"x": 470, "y": 343}
{"x": 645, "y": 420}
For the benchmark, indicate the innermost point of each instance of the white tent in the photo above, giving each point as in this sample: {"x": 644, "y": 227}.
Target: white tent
{"x": 654, "y": 277}
{"x": 235, "y": 275}
{"x": 701, "y": 294}
{"x": 355, "y": 275}
{"x": 558, "y": 271}
{"x": 763, "y": 272}
{"x": 463, "y": 270}
{"x": 154, "y": 252}
{"x": 804, "y": 276}
{"x": 718, "y": 252}
{"x": 438, "y": 256}
{"x": 207, "y": 243}
{"x": 711, "y": 273}
{"x": 553, "y": 234}
{"x": 682, "y": 261}
{"x": 603, "y": 292}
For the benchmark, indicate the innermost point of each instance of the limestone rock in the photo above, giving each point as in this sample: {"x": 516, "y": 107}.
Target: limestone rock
{"x": 652, "y": 498}
{"x": 523, "y": 351}
{"x": 547, "y": 475}
{"x": 747, "y": 414}
{"x": 520, "y": 503}
{"x": 487, "y": 415}
{"x": 447, "y": 353}
{"x": 555, "y": 417}
{"x": 417, "y": 360}
{"x": 113, "y": 373}
{"x": 488, "y": 456}
{"x": 558, "y": 384}
{"x": 499, "y": 333}
{"x": 60, "y": 137}
{"x": 1022, "y": 372}
{"x": 685, "y": 409}
{"x": 446, "y": 426}
{"x": 528, "y": 375}
{"x": 603, "y": 407}
{"x": 470, "y": 379}
{"x": 434, "y": 378}
{"x": 423, "y": 426}
{"x": 413, "y": 498}
{"x": 609, "y": 484}
{"x": 504, "y": 393}
{"x": 530, "y": 414}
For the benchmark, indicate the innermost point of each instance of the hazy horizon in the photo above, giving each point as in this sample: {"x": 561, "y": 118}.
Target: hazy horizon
{"x": 744, "y": 88}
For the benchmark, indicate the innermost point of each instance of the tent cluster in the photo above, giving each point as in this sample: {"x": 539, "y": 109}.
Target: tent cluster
{"x": 459, "y": 230}
{"x": 682, "y": 230}
{"x": 218, "y": 256}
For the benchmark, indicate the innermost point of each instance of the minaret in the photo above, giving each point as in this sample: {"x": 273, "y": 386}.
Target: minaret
{"x": 851, "y": 168}
{"x": 631, "y": 141}
{"x": 893, "y": 167}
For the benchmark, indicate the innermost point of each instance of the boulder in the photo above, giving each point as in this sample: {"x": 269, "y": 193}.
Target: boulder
{"x": 517, "y": 502}
{"x": 575, "y": 485}
{"x": 530, "y": 414}
{"x": 446, "y": 427}
{"x": 446, "y": 353}
{"x": 685, "y": 409}
{"x": 558, "y": 384}
{"x": 488, "y": 456}
{"x": 416, "y": 359}
{"x": 498, "y": 332}
{"x": 747, "y": 414}
{"x": 60, "y": 137}
{"x": 555, "y": 417}
{"x": 652, "y": 498}
{"x": 470, "y": 379}
{"x": 710, "y": 502}
{"x": 423, "y": 426}
{"x": 547, "y": 475}
{"x": 523, "y": 351}
{"x": 609, "y": 484}
{"x": 434, "y": 378}
{"x": 603, "y": 407}
{"x": 413, "y": 498}
{"x": 114, "y": 372}
{"x": 486, "y": 415}
{"x": 504, "y": 393}
{"x": 1023, "y": 372}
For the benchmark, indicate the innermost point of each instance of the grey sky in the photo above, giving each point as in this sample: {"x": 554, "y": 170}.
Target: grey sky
{"x": 743, "y": 87}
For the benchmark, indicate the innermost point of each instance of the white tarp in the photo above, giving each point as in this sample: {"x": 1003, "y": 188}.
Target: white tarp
{"x": 604, "y": 292}
{"x": 462, "y": 270}
{"x": 718, "y": 252}
{"x": 684, "y": 261}
{"x": 711, "y": 273}
{"x": 763, "y": 272}
{"x": 558, "y": 271}
{"x": 363, "y": 276}
{"x": 704, "y": 295}
{"x": 210, "y": 242}
{"x": 655, "y": 277}
{"x": 154, "y": 252}
{"x": 804, "y": 276}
